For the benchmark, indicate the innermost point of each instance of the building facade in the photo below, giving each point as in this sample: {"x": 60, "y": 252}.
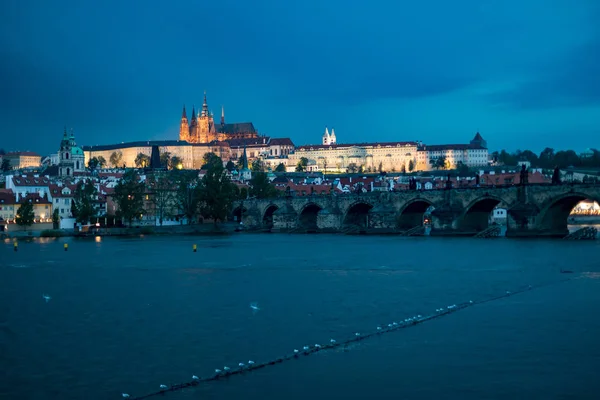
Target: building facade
{"x": 201, "y": 128}
{"x": 368, "y": 157}
{"x": 23, "y": 159}
{"x": 450, "y": 156}
{"x": 190, "y": 154}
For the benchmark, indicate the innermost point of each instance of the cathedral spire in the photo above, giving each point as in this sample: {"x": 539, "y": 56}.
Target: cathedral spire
{"x": 222, "y": 115}
{"x": 183, "y": 114}
{"x": 205, "y": 106}
{"x": 65, "y": 133}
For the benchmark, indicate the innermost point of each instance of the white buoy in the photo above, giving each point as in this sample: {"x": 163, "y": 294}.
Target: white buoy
{"x": 295, "y": 350}
{"x": 226, "y": 368}
{"x": 241, "y": 365}
{"x": 218, "y": 371}
{"x": 194, "y": 377}
{"x": 378, "y": 328}
{"x": 163, "y": 386}
{"x": 357, "y": 334}
{"x": 125, "y": 395}
{"x": 332, "y": 341}
{"x": 305, "y": 348}
{"x": 250, "y": 362}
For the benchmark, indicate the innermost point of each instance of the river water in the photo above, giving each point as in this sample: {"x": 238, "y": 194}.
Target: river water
{"x": 127, "y": 315}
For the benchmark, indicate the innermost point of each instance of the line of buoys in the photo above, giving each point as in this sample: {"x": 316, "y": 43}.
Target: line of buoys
{"x": 66, "y": 246}
{"x": 194, "y": 248}
{"x": 16, "y": 245}
{"x": 332, "y": 344}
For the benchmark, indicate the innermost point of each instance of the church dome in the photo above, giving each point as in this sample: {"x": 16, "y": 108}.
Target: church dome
{"x": 76, "y": 151}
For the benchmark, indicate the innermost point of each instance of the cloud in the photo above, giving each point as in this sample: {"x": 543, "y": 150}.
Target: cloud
{"x": 567, "y": 82}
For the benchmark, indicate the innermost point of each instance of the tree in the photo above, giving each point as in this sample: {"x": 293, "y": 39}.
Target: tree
{"x": 142, "y": 160}
{"x": 101, "y": 162}
{"x": 440, "y": 163}
{"x": 217, "y": 193}
{"x": 547, "y": 158}
{"x": 261, "y": 187}
{"x": 280, "y": 168}
{"x": 462, "y": 169}
{"x": 129, "y": 196}
{"x": 55, "y": 219}
{"x": 352, "y": 168}
{"x": 380, "y": 168}
{"x": 115, "y": 158}
{"x": 403, "y": 169}
{"x": 162, "y": 192}
{"x": 230, "y": 166}
{"x": 176, "y": 162}
{"x": 82, "y": 206}
{"x": 5, "y": 166}
{"x": 211, "y": 159}
{"x": 243, "y": 193}
{"x": 93, "y": 163}
{"x": 187, "y": 195}
{"x": 241, "y": 161}
{"x": 302, "y": 164}
{"x": 411, "y": 166}
{"x": 257, "y": 165}
{"x": 25, "y": 214}
{"x": 165, "y": 159}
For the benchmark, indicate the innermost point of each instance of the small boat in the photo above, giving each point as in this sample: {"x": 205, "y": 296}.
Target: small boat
{"x": 565, "y": 271}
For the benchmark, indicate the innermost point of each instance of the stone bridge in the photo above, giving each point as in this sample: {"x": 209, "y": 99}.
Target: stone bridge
{"x": 533, "y": 210}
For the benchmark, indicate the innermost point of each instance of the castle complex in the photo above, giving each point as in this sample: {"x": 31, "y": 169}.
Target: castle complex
{"x": 202, "y": 127}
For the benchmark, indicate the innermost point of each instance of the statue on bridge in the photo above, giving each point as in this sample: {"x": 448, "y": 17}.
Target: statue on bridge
{"x": 477, "y": 180}
{"x": 412, "y": 184}
{"x": 556, "y": 176}
{"x": 448, "y": 183}
{"x": 524, "y": 175}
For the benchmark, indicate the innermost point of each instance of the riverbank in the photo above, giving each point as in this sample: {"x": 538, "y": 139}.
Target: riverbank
{"x": 202, "y": 229}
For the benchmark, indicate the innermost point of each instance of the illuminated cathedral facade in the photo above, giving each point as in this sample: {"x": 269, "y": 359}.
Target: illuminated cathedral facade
{"x": 201, "y": 127}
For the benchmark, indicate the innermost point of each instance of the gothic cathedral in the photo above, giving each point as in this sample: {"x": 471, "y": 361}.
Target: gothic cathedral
{"x": 202, "y": 128}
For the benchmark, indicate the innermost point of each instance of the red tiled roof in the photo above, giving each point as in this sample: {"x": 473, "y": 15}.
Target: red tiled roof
{"x": 18, "y": 180}
{"x": 35, "y": 198}
{"x": 7, "y": 196}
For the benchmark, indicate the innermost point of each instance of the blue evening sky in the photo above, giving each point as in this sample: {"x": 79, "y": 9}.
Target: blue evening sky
{"x": 525, "y": 73}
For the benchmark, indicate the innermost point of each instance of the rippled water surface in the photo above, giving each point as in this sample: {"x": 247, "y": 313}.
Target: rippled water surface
{"x": 127, "y": 315}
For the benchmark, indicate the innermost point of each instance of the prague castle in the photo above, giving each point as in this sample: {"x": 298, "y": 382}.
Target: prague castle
{"x": 202, "y": 127}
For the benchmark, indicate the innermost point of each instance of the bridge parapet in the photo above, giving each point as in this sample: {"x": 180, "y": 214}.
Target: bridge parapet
{"x": 532, "y": 210}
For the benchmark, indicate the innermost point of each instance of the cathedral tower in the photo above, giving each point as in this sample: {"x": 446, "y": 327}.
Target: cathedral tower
{"x": 184, "y": 129}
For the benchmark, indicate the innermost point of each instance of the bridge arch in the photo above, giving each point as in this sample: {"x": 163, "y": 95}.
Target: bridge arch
{"x": 238, "y": 212}
{"x": 411, "y": 214}
{"x": 267, "y": 217}
{"x": 554, "y": 214}
{"x": 357, "y": 214}
{"x": 307, "y": 217}
{"x": 476, "y": 216}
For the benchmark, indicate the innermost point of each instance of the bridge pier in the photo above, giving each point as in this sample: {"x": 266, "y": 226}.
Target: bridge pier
{"x": 252, "y": 218}
{"x": 285, "y": 219}
{"x": 445, "y": 221}
{"x": 329, "y": 219}
{"x": 381, "y": 219}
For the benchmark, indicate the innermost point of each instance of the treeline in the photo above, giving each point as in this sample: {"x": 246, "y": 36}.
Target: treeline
{"x": 173, "y": 193}
{"x": 549, "y": 158}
